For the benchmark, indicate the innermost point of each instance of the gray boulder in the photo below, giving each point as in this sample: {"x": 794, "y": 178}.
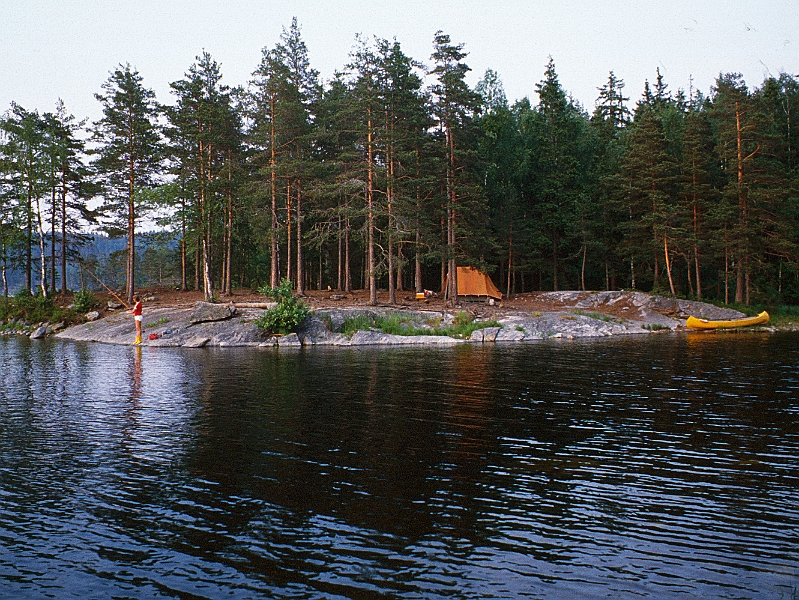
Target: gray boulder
{"x": 92, "y": 316}
{"x": 39, "y": 333}
{"x": 204, "y": 312}
{"x": 289, "y": 341}
{"x": 196, "y": 342}
{"x": 706, "y": 311}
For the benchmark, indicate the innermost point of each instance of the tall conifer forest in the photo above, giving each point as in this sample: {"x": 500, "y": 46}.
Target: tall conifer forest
{"x": 396, "y": 171}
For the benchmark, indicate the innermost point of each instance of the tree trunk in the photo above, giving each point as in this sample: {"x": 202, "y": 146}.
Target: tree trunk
{"x": 668, "y": 264}
{"x": 510, "y": 260}
{"x": 228, "y": 285}
{"x": 582, "y": 267}
{"x": 690, "y": 277}
{"x": 275, "y": 273}
{"x": 183, "y": 274}
{"x": 130, "y": 269}
{"x": 42, "y": 255}
{"x": 347, "y": 269}
{"x": 340, "y": 255}
{"x": 53, "y": 219}
{"x": 726, "y": 274}
{"x": 698, "y": 272}
{"x": 289, "y": 241}
{"x": 417, "y": 264}
{"x": 3, "y": 269}
{"x": 64, "y": 286}
{"x": 370, "y": 209}
{"x": 29, "y": 237}
{"x": 555, "y": 262}
{"x": 198, "y": 261}
{"x": 300, "y": 272}
{"x": 452, "y": 291}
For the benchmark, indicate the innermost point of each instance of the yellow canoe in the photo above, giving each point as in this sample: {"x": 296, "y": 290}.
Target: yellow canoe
{"x": 695, "y": 323}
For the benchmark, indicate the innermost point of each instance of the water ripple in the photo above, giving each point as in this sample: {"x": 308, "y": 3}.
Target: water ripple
{"x": 659, "y": 468}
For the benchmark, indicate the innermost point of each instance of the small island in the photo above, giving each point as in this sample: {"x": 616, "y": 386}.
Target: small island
{"x": 181, "y": 320}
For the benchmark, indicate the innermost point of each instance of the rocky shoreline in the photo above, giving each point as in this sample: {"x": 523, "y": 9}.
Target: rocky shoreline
{"x": 583, "y": 315}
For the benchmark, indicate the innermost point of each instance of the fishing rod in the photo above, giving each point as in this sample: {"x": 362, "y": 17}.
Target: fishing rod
{"x": 106, "y": 287}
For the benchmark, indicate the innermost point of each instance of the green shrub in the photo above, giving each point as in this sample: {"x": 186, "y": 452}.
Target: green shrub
{"x": 289, "y": 312}
{"x": 33, "y": 308}
{"x": 84, "y": 301}
{"x": 6, "y": 309}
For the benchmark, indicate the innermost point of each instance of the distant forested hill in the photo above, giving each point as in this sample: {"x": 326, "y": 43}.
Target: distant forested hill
{"x": 104, "y": 257}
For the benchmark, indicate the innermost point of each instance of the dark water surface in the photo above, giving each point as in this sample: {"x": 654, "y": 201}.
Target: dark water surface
{"x": 664, "y": 467}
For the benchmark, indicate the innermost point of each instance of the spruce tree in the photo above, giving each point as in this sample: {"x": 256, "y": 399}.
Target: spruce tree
{"x": 611, "y": 118}
{"x": 555, "y": 179}
{"x": 651, "y": 172}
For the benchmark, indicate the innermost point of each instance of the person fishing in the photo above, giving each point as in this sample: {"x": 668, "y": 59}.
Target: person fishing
{"x": 136, "y": 311}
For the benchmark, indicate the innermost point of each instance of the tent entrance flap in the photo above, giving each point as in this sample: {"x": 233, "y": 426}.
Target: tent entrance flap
{"x": 472, "y": 284}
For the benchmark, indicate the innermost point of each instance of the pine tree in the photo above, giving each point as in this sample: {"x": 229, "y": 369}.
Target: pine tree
{"x": 774, "y": 191}
{"x": 286, "y": 89}
{"x": 25, "y": 150}
{"x": 270, "y": 85}
{"x": 454, "y": 107}
{"x": 129, "y": 156}
{"x": 205, "y": 134}
{"x": 740, "y": 142}
{"x": 501, "y": 153}
{"x": 337, "y": 149}
{"x": 404, "y": 127}
{"x": 365, "y": 64}
{"x": 699, "y": 186}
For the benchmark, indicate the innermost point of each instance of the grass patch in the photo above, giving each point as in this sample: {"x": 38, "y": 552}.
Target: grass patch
{"x": 462, "y": 326}
{"x": 326, "y": 319}
{"x": 596, "y": 315}
{"x": 160, "y": 321}
{"x": 655, "y": 327}
{"x": 779, "y": 315}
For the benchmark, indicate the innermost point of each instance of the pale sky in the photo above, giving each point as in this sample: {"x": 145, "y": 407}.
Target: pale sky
{"x": 52, "y": 49}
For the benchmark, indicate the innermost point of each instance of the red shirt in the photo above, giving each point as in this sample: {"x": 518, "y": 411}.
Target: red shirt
{"x": 137, "y": 309}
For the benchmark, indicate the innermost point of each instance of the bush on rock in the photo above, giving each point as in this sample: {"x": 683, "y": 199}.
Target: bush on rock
{"x": 289, "y": 312}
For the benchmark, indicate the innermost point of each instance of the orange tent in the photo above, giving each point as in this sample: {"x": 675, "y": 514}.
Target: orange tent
{"x": 472, "y": 284}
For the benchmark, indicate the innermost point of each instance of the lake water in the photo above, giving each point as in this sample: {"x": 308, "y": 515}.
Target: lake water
{"x": 662, "y": 466}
